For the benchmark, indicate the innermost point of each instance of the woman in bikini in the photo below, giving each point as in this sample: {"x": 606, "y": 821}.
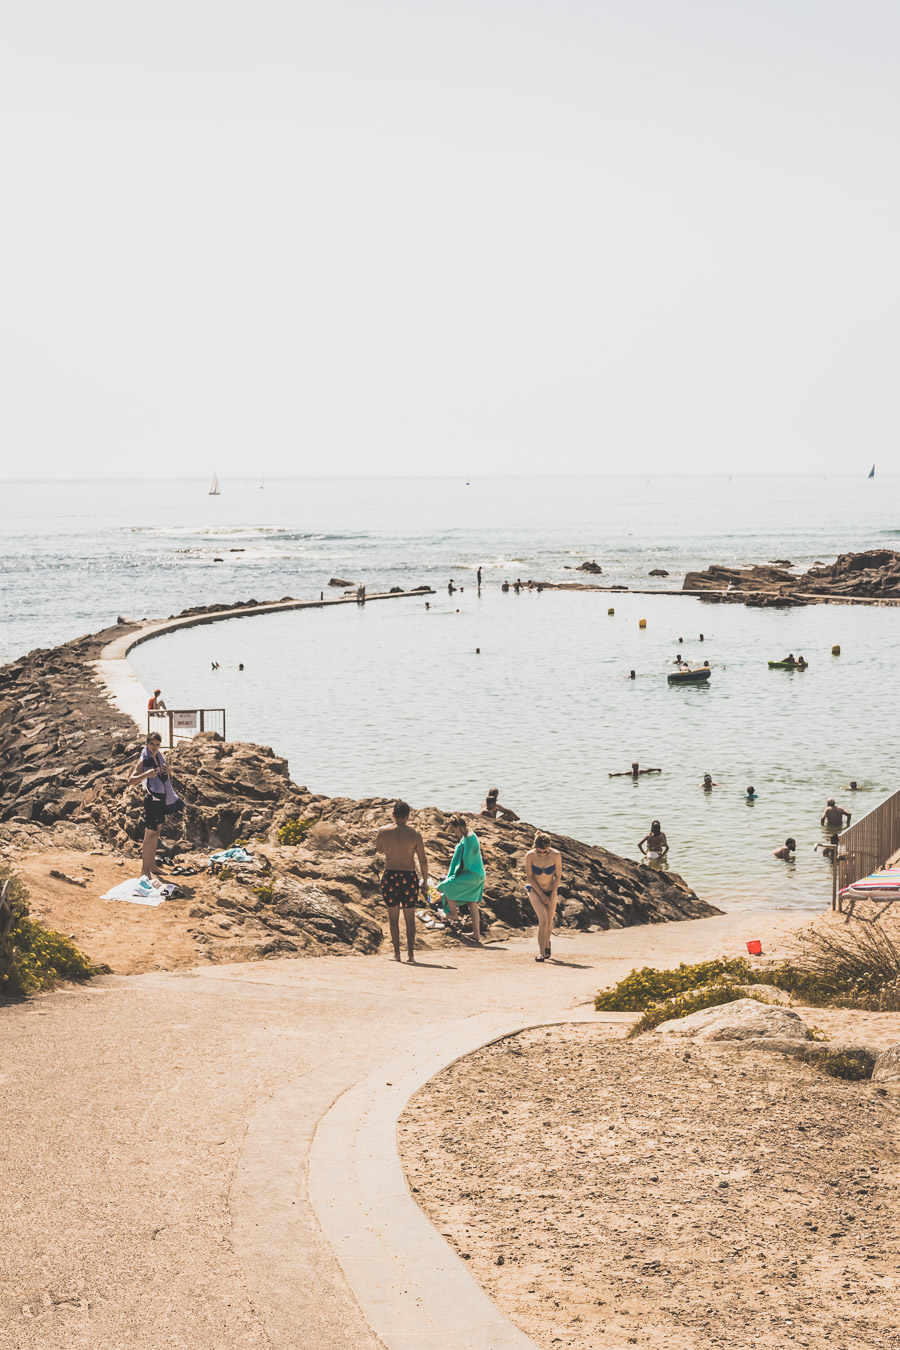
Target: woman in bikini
{"x": 543, "y": 871}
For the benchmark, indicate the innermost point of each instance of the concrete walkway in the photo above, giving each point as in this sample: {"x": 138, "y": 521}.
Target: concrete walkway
{"x": 207, "y": 1160}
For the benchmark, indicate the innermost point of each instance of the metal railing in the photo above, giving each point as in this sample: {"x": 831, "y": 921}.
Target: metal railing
{"x": 183, "y": 723}
{"x": 866, "y": 846}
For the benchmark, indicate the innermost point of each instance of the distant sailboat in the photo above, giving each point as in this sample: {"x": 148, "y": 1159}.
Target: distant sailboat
{"x": 872, "y": 471}
{"x": 214, "y": 487}
{"x": 262, "y": 485}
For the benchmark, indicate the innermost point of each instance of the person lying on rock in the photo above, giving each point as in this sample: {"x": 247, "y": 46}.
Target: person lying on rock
{"x": 492, "y": 808}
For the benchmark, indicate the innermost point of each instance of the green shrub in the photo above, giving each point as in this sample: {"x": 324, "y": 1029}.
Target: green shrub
{"x": 682, "y": 1005}
{"x": 856, "y": 968}
{"x": 293, "y": 831}
{"x": 264, "y": 892}
{"x": 837, "y": 1064}
{"x": 642, "y": 988}
{"x": 33, "y": 957}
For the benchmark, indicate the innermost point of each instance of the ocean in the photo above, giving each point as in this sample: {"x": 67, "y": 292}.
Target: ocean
{"x": 392, "y": 699}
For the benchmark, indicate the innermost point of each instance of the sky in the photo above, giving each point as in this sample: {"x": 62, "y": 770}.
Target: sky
{"x": 488, "y": 236}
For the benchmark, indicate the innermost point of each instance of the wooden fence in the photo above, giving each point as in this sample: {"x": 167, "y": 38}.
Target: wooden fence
{"x": 867, "y": 845}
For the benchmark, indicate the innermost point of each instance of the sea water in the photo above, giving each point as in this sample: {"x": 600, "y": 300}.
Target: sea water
{"x": 391, "y": 699}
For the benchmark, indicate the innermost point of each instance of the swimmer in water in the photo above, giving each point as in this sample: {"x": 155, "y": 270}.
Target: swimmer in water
{"x": 786, "y": 851}
{"x": 631, "y": 675}
{"x": 656, "y": 841}
{"x": 833, "y": 815}
{"x": 634, "y": 772}
{"x": 752, "y": 794}
{"x": 707, "y": 785}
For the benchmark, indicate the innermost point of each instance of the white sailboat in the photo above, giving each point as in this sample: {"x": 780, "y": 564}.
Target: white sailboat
{"x": 214, "y": 486}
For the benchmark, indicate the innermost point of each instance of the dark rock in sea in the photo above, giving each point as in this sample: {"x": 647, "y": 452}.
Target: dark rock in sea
{"x": 658, "y": 572}
{"x": 337, "y": 581}
{"x": 592, "y": 567}
{"x": 874, "y": 575}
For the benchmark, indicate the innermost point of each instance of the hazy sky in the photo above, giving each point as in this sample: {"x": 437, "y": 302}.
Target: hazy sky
{"x": 509, "y": 236}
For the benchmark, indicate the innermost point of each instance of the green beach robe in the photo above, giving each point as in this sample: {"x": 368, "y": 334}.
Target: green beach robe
{"x": 464, "y": 883}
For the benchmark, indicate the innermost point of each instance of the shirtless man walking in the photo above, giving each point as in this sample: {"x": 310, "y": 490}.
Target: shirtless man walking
{"x": 402, "y": 846}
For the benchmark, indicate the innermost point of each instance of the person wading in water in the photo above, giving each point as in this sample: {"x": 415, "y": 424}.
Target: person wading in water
{"x": 402, "y": 846}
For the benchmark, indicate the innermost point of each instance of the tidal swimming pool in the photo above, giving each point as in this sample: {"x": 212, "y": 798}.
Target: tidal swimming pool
{"x": 391, "y": 699}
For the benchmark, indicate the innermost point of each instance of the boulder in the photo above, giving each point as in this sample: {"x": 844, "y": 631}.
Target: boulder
{"x": 593, "y": 567}
{"x": 887, "y": 1066}
{"x": 742, "y": 1020}
{"x": 658, "y": 572}
{"x": 338, "y": 581}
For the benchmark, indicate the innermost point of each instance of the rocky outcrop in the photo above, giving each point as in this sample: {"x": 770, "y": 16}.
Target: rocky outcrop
{"x": 873, "y": 575}
{"x": 238, "y": 791}
{"x": 65, "y": 752}
{"x": 658, "y": 572}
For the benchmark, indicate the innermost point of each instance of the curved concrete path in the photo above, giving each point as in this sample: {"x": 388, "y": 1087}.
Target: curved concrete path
{"x": 207, "y": 1159}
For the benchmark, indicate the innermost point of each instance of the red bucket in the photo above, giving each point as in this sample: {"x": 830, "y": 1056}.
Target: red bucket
{"x": 755, "y": 947}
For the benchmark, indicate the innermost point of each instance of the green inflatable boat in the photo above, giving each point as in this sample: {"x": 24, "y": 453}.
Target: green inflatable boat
{"x": 788, "y": 665}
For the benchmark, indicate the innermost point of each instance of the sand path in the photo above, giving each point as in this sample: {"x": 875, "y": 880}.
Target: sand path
{"x": 157, "y": 1128}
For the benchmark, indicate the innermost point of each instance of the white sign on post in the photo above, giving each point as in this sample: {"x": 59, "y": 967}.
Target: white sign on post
{"x": 184, "y": 722}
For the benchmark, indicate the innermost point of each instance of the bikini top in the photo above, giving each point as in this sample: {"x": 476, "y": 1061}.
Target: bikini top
{"x": 543, "y": 871}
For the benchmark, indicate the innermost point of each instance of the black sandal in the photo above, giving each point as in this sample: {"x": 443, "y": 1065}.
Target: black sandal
{"x": 540, "y": 958}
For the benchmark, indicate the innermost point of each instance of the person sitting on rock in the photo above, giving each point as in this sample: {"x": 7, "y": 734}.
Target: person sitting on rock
{"x": 156, "y": 704}
{"x": 492, "y": 808}
{"x": 786, "y": 852}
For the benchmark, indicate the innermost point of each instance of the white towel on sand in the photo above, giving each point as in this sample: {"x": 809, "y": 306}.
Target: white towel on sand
{"x": 136, "y": 892}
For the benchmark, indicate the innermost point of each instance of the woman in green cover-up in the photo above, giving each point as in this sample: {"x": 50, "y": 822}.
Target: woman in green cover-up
{"x": 464, "y": 883}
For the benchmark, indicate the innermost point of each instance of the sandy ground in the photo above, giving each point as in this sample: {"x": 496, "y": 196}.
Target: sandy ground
{"x": 616, "y": 1193}
{"x": 131, "y": 939}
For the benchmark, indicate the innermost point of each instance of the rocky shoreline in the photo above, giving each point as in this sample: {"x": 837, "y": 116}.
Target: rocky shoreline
{"x": 65, "y": 750}
{"x": 873, "y": 575}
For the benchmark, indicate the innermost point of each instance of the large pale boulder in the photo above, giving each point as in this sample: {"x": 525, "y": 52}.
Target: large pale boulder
{"x": 743, "y": 1020}
{"x": 887, "y": 1066}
